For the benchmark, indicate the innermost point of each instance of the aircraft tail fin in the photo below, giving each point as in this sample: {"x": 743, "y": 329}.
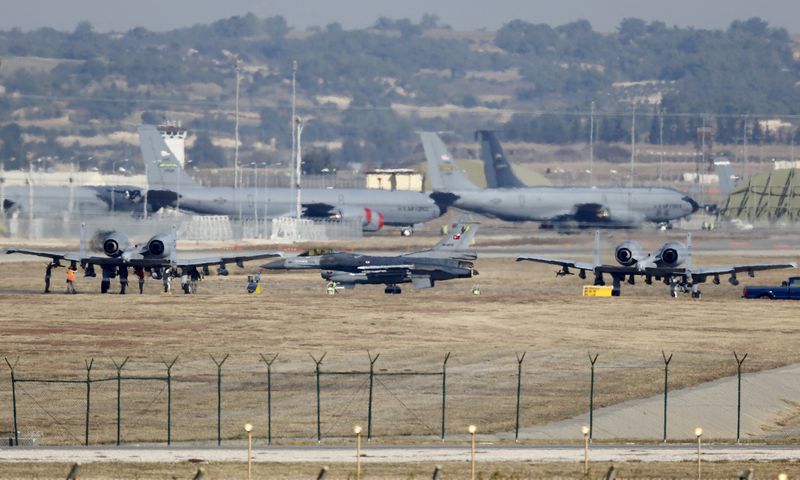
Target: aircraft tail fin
{"x": 596, "y": 248}
{"x": 444, "y": 173}
{"x": 458, "y": 238}
{"x": 164, "y": 171}
{"x": 498, "y": 171}
{"x": 727, "y": 177}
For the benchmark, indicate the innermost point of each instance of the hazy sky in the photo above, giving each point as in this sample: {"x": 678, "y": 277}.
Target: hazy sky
{"x": 461, "y": 14}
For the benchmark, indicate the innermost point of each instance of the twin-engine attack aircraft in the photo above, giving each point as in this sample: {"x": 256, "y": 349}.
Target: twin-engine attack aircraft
{"x": 670, "y": 263}
{"x": 562, "y": 207}
{"x": 157, "y": 256}
{"x": 170, "y": 186}
{"x": 449, "y": 258}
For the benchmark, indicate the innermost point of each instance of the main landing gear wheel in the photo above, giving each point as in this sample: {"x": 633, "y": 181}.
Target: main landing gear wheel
{"x": 392, "y": 290}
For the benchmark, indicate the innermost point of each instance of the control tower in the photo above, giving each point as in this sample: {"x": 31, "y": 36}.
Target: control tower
{"x": 174, "y": 135}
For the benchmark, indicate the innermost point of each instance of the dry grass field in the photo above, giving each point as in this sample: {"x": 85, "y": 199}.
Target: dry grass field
{"x": 522, "y": 308}
{"x": 500, "y": 471}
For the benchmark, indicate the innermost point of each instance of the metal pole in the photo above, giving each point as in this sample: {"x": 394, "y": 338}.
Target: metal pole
{"x": 269, "y": 395}
{"x": 633, "y": 144}
{"x": 699, "y": 471}
{"x": 88, "y": 399}
{"x": 169, "y": 397}
{"x": 371, "y": 377}
{"x": 317, "y": 371}
{"x": 299, "y": 170}
{"x": 219, "y": 395}
{"x": 744, "y": 145}
{"x": 591, "y": 146}
{"x": 444, "y": 392}
{"x": 472, "y": 432}
{"x": 14, "y": 399}
{"x": 292, "y": 179}
{"x": 520, "y": 359}
{"x": 358, "y": 452}
{"x": 739, "y": 362}
{"x": 666, "y": 389}
{"x": 593, "y": 360}
{"x": 661, "y": 142}
{"x": 119, "y": 367}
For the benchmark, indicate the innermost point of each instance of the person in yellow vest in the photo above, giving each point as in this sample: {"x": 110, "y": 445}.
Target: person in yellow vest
{"x": 71, "y": 280}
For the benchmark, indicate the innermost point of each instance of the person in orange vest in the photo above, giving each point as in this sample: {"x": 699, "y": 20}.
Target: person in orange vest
{"x": 71, "y": 280}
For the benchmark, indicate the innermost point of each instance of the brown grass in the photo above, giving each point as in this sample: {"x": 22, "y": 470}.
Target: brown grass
{"x": 522, "y": 308}
{"x": 451, "y": 470}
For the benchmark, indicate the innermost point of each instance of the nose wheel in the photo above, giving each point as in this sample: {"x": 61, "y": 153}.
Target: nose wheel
{"x": 392, "y": 290}
{"x": 407, "y": 232}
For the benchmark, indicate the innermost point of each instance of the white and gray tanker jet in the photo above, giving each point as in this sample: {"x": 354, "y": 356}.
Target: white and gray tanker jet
{"x": 450, "y": 258}
{"x": 169, "y": 185}
{"x": 670, "y": 263}
{"x": 562, "y": 207}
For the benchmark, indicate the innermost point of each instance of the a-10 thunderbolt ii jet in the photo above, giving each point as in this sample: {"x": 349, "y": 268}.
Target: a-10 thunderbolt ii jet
{"x": 448, "y": 259}
{"x": 671, "y": 263}
{"x": 158, "y": 255}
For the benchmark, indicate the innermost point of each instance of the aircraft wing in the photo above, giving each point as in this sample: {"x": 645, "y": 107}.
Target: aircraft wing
{"x": 57, "y": 257}
{"x": 730, "y": 269}
{"x": 237, "y": 259}
{"x": 559, "y": 262}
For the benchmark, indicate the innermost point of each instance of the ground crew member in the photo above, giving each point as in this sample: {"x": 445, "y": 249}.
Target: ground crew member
{"x": 194, "y": 276}
{"x": 123, "y": 279}
{"x": 108, "y": 273}
{"x": 71, "y": 280}
{"x": 47, "y": 277}
{"x": 165, "y": 278}
{"x": 185, "y": 281}
{"x": 140, "y": 273}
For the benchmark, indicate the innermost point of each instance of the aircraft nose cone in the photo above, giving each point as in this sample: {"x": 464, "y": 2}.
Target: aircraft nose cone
{"x": 276, "y": 265}
{"x": 695, "y": 206}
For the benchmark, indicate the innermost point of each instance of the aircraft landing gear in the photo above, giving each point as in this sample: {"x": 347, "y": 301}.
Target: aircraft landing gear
{"x": 406, "y": 232}
{"x": 695, "y": 291}
{"x": 392, "y": 290}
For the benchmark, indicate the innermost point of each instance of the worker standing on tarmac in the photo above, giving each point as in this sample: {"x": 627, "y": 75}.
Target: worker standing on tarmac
{"x": 47, "y": 273}
{"x": 71, "y": 280}
{"x": 185, "y": 281}
{"x": 140, "y": 273}
{"x": 123, "y": 279}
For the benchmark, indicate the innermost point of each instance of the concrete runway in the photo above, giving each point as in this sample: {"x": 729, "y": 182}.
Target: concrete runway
{"x": 322, "y": 455}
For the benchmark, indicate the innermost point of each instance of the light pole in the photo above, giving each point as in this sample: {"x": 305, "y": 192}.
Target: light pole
{"x": 585, "y": 431}
{"x": 472, "y": 431}
{"x": 357, "y": 431}
{"x": 591, "y": 146}
{"x": 236, "y": 180}
{"x": 698, "y": 432}
{"x": 298, "y": 168}
{"x": 249, "y": 429}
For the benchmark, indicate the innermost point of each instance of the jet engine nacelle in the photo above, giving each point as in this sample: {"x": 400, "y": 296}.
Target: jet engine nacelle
{"x": 114, "y": 243}
{"x": 371, "y": 220}
{"x": 159, "y": 246}
{"x": 628, "y": 253}
{"x": 672, "y": 254}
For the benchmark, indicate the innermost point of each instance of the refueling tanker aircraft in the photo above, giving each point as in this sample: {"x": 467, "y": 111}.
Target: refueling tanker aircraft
{"x": 449, "y": 258}
{"x": 671, "y": 264}
{"x": 561, "y": 207}
{"x": 157, "y": 256}
{"x": 170, "y": 186}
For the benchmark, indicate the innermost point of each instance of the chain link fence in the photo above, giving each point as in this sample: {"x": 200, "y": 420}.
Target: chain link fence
{"x": 206, "y": 400}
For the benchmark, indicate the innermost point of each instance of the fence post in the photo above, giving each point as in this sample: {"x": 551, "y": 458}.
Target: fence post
{"x": 119, "y": 367}
{"x": 520, "y": 359}
{"x": 269, "y": 395}
{"x": 88, "y": 364}
{"x": 316, "y": 369}
{"x": 369, "y": 409}
{"x": 14, "y": 398}
{"x": 169, "y": 366}
{"x": 593, "y": 360}
{"x": 219, "y": 395}
{"x": 739, "y": 362}
{"x": 666, "y": 388}
{"x": 444, "y": 392}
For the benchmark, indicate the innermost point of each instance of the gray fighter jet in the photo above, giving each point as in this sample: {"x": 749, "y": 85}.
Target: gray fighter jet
{"x": 450, "y": 258}
{"x": 568, "y": 207}
{"x": 158, "y": 255}
{"x": 670, "y": 263}
{"x": 169, "y": 185}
